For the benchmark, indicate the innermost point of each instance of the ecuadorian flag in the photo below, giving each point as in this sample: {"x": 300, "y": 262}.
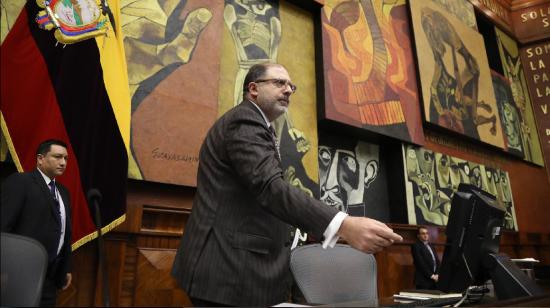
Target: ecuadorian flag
{"x": 77, "y": 93}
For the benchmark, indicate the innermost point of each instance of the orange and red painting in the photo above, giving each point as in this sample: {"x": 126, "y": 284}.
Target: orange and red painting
{"x": 370, "y": 81}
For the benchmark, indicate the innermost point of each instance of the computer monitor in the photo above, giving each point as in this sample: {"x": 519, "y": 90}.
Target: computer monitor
{"x": 471, "y": 251}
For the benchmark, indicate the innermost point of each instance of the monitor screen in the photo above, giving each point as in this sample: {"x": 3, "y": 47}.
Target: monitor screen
{"x": 473, "y": 232}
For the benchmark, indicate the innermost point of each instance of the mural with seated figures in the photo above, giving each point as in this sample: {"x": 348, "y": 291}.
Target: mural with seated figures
{"x": 432, "y": 178}
{"x": 454, "y": 74}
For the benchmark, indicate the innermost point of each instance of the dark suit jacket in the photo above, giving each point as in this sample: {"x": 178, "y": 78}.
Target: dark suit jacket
{"x": 28, "y": 209}
{"x": 423, "y": 264}
{"x": 235, "y": 248}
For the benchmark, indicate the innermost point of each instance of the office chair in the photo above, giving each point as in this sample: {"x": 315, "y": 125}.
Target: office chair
{"x": 24, "y": 262}
{"x": 334, "y": 275}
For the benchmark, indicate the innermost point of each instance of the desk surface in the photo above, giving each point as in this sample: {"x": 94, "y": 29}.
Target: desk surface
{"x": 531, "y": 301}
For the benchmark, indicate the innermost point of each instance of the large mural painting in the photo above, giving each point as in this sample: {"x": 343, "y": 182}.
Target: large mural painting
{"x": 173, "y": 57}
{"x": 510, "y": 115}
{"x": 463, "y": 10}
{"x": 513, "y": 70}
{"x": 352, "y": 178}
{"x": 454, "y": 73}
{"x": 276, "y": 31}
{"x": 370, "y": 81}
{"x": 432, "y": 178}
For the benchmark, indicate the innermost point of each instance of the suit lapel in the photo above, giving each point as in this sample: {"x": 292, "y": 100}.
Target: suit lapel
{"x": 250, "y": 105}
{"x": 39, "y": 180}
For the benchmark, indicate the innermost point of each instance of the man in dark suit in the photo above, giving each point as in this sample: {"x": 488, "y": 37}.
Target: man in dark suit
{"x": 236, "y": 247}
{"x": 426, "y": 261}
{"x": 35, "y": 205}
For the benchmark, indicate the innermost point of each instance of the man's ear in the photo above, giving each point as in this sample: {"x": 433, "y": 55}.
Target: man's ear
{"x": 253, "y": 89}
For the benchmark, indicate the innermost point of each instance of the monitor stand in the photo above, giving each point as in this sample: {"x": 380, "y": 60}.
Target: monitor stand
{"x": 508, "y": 279}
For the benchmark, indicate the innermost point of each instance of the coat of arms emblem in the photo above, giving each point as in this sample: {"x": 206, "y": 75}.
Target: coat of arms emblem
{"x": 74, "y": 20}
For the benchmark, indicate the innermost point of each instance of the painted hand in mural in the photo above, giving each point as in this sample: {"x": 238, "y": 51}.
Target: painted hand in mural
{"x": 290, "y": 177}
{"x": 302, "y": 144}
{"x": 158, "y": 35}
{"x": 158, "y": 39}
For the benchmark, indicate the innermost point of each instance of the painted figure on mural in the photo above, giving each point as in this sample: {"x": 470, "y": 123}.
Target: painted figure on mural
{"x": 344, "y": 175}
{"x": 432, "y": 204}
{"x": 509, "y": 114}
{"x": 443, "y": 170}
{"x": 368, "y": 77}
{"x": 475, "y": 175}
{"x": 496, "y": 183}
{"x": 455, "y": 84}
{"x": 255, "y": 27}
{"x": 507, "y": 200}
{"x": 513, "y": 72}
{"x": 432, "y": 184}
{"x": 158, "y": 40}
{"x": 462, "y": 10}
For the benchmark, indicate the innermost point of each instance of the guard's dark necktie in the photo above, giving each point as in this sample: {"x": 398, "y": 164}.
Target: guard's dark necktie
{"x": 54, "y": 196}
{"x": 52, "y": 253}
{"x": 275, "y": 140}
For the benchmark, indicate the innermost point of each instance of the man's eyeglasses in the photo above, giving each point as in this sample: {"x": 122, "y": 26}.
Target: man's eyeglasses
{"x": 279, "y": 83}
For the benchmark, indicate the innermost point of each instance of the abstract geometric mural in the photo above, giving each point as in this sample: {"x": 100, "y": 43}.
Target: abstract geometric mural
{"x": 432, "y": 178}
{"x": 352, "y": 178}
{"x": 370, "y": 81}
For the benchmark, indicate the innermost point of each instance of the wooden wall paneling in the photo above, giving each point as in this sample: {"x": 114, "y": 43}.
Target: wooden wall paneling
{"x": 157, "y": 242}
{"x": 163, "y": 220}
{"x": 128, "y": 279}
{"x": 115, "y": 250}
{"x": 155, "y": 287}
{"x": 81, "y": 291}
{"x": 498, "y": 11}
{"x": 395, "y": 266}
{"x": 509, "y": 242}
{"x": 532, "y": 23}
{"x": 544, "y": 249}
{"x": 528, "y": 245}
{"x": 395, "y": 270}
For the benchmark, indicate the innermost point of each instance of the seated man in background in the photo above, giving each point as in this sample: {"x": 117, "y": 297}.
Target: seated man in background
{"x": 426, "y": 261}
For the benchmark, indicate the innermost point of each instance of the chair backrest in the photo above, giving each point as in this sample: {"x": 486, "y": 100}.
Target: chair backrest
{"x": 334, "y": 275}
{"x": 24, "y": 263}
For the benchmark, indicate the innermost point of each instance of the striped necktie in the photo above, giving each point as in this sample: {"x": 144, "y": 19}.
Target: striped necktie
{"x": 275, "y": 140}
